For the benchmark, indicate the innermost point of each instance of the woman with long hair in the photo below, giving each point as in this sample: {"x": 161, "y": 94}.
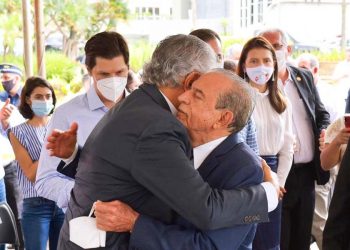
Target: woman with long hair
{"x": 273, "y": 118}
{"x": 41, "y": 218}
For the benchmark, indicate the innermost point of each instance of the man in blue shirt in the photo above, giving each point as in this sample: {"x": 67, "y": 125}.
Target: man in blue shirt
{"x": 107, "y": 60}
{"x": 10, "y": 98}
{"x": 11, "y": 82}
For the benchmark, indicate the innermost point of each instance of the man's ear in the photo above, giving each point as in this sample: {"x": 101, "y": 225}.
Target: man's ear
{"x": 190, "y": 78}
{"x": 315, "y": 70}
{"x": 225, "y": 120}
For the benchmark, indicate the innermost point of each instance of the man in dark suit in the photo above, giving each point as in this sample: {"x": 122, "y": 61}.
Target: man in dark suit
{"x": 138, "y": 153}
{"x": 337, "y": 229}
{"x": 309, "y": 118}
{"x": 221, "y": 157}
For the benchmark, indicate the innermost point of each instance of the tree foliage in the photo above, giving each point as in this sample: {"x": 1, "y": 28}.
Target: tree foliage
{"x": 10, "y": 25}
{"x": 77, "y": 20}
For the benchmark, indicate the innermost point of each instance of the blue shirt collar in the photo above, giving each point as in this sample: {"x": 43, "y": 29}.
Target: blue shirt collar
{"x": 94, "y": 101}
{"x": 14, "y": 100}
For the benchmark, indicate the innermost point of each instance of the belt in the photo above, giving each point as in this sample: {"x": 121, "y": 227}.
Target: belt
{"x": 301, "y": 165}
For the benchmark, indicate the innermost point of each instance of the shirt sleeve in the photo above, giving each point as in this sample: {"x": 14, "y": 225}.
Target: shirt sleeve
{"x": 285, "y": 155}
{"x": 206, "y": 208}
{"x": 271, "y": 195}
{"x": 51, "y": 184}
{"x": 251, "y": 137}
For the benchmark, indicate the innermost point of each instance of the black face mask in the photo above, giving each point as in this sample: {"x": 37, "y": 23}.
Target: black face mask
{"x": 8, "y": 85}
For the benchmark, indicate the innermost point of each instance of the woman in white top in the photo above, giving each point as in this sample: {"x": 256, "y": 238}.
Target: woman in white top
{"x": 273, "y": 118}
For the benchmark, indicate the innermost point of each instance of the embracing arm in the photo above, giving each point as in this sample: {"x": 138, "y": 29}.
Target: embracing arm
{"x": 170, "y": 176}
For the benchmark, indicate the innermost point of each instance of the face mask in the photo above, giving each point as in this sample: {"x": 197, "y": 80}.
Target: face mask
{"x": 84, "y": 233}
{"x": 41, "y": 108}
{"x": 8, "y": 85}
{"x": 260, "y": 75}
{"x": 112, "y": 88}
{"x": 281, "y": 59}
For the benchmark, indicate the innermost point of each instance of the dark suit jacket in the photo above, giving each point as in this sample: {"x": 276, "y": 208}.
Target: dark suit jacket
{"x": 347, "y": 106}
{"x": 231, "y": 165}
{"x": 318, "y": 115}
{"x": 336, "y": 235}
{"x": 138, "y": 153}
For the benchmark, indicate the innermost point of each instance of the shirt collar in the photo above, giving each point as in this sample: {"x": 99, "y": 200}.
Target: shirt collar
{"x": 202, "y": 151}
{"x": 95, "y": 101}
{"x": 171, "y": 106}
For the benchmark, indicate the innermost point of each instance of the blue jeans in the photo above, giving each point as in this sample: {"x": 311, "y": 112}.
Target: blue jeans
{"x": 2, "y": 190}
{"x": 268, "y": 234}
{"x": 41, "y": 221}
{"x": 2, "y": 198}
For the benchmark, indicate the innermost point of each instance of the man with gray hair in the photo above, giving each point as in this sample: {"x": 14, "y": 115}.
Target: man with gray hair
{"x": 139, "y": 154}
{"x": 225, "y": 101}
{"x": 323, "y": 193}
{"x": 309, "y": 118}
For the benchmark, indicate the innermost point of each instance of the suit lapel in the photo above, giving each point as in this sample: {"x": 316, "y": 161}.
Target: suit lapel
{"x": 301, "y": 85}
{"x": 213, "y": 159}
{"x": 155, "y": 94}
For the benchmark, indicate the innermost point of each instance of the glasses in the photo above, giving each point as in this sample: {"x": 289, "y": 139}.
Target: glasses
{"x": 277, "y": 46}
{"x": 219, "y": 58}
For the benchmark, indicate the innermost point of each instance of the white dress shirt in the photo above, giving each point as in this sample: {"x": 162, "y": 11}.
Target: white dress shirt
{"x": 204, "y": 150}
{"x": 302, "y": 127}
{"x": 275, "y": 134}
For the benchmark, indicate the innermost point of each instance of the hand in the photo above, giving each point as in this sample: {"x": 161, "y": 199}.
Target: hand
{"x": 321, "y": 139}
{"x": 62, "y": 143}
{"x": 115, "y": 216}
{"x": 282, "y": 192}
{"x": 342, "y": 137}
{"x": 6, "y": 110}
{"x": 270, "y": 176}
{"x": 5, "y": 114}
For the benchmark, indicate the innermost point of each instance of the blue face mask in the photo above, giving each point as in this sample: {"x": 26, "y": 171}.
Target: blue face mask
{"x": 42, "y": 108}
{"x": 8, "y": 85}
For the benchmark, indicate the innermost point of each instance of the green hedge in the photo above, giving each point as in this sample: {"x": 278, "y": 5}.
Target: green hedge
{"x": 63, "y": 73}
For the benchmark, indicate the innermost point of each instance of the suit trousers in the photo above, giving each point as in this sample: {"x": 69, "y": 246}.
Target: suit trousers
{"x": 267, "y": 236}
{"x": 298, "y": 208}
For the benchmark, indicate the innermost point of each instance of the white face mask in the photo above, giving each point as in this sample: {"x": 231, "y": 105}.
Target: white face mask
{"x": 281, "y": 60}
{"x": 84, "y": 233}
{"x": 260, "y": 75}
{"x": 112, "y": 88}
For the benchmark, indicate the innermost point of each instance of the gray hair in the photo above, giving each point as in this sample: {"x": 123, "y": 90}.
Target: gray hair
{"x": 240, "y": 100}
{"x": 310, "y": 58}
{"x": 275, "y": 30}
{"x": 175, "y": 57}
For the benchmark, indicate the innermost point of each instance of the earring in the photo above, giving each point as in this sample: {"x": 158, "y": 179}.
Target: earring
{"x": 273, "y": 77}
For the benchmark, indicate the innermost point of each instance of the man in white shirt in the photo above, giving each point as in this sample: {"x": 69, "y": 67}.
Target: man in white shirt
{"x": 107, "y": 60}
{"x": 329, "y": 98}
{"x": 309, "y": 117}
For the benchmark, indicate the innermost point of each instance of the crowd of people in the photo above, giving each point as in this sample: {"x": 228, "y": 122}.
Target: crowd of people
{"x": 244, "y": 152}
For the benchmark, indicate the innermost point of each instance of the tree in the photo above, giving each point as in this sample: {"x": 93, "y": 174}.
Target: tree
{"x": 10, "y": 24}
{"x": 77, "y": 20}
